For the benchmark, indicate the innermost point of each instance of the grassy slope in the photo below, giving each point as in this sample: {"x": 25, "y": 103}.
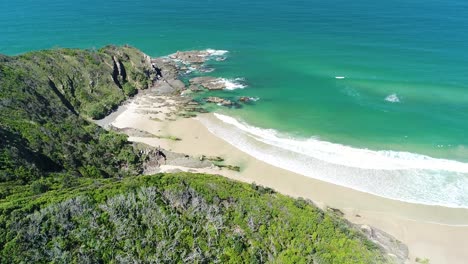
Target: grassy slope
{"x": 69, "y": 190}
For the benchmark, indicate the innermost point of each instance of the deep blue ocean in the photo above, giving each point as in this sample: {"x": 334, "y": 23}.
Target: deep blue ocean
{"x": 360, "y": 93}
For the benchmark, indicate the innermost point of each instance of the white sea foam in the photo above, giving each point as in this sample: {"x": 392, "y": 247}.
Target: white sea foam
{"x": 397, "y": 175}
{"x": 207, "y": 70}
{"x": 340, "y": 77}
{"x": 232, "y": 84}
{"x": 213, "y": 52}
{"x": 190, "y": 70}
{"x": 349, "y": 156}
{"x": 393, "y": 98}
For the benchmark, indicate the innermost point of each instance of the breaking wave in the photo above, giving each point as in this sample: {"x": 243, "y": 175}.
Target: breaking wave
{"x": 396, "y": 175}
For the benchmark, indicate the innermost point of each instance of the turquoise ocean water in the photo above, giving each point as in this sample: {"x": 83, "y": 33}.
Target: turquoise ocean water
{"x": 395, "y": 125}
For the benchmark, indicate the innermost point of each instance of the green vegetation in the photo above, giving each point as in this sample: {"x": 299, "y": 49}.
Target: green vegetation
{"x": 177, "y": 218}
{"x": 42, "y": 97}
{"x": 173, "y": 138}
{"x": 422, "y": 261}
{"x": 71, "y": 192}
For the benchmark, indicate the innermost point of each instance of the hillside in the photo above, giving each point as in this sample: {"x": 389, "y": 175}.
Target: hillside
{"x": 46, "y": 97}
{"x": 71, "y": 192}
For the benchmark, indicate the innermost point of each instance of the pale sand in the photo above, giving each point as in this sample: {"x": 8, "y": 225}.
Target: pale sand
{"x": 437, "y": 233}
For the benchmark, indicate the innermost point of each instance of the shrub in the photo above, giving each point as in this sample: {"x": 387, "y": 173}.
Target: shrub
{"x": 39, "y": 187}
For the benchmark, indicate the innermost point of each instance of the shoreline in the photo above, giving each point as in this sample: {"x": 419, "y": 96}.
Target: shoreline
{"x": 428, "y": 231}
{"x": 434, "y": 232}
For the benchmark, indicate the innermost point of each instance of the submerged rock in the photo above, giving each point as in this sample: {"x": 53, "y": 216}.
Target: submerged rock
{"x": 219, "y": 100}
{"x": 208, "y": 82}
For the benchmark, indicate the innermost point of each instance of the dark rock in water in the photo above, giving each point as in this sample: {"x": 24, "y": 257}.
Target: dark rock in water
{"x": 245, "y": 99}
{"x": 210, "y": 83}
{"x": 219, "y": 100}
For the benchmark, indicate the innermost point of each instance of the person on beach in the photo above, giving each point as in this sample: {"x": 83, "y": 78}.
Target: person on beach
{"x": 158, "y": 71}
{"x": 159, "y": 154}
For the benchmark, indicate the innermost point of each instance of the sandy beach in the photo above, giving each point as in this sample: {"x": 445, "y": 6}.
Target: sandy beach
{"x": 439, "y": 234}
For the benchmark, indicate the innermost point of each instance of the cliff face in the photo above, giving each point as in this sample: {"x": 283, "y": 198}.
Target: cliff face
{"x": 45, "y": 98}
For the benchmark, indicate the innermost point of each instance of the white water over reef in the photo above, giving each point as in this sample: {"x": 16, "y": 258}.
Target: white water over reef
{"x": 396, "y": 175}
{"x": 233, "y": 84}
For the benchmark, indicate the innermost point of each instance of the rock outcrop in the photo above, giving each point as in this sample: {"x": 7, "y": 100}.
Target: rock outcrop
{"x": 166, "y": 81}
{"x": 165, "y": 68}
{"x": 208, "y": 82}
{"x": 396, "y": 250}
{"x": 190, "y": 57}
